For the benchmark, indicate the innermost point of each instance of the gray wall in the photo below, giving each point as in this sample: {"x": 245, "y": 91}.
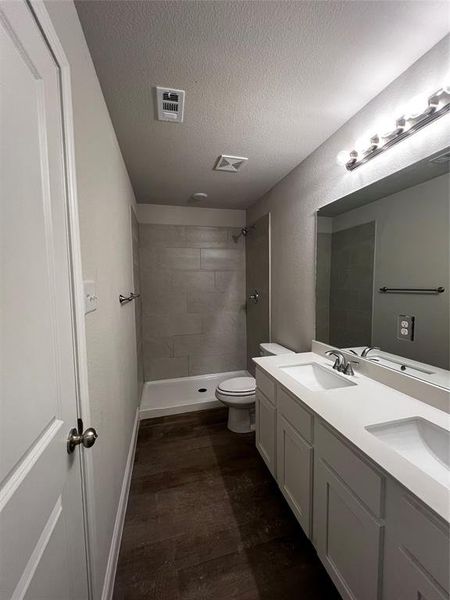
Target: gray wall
{"x": 318, "y": 180}
{"x": 351, "y": 286}
{"x": 104, "y": 199}
{"x": 412, "y": 250}
{"x": 257, "y": 256}
{"x": 193, "y": 298}
{"x": 323, "y": 286}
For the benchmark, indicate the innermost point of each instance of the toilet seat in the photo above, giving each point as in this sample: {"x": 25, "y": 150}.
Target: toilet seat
{"x": 237, "y": 386}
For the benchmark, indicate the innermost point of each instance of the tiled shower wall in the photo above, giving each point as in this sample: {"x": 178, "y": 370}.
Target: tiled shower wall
{"x": 193, "y": 300}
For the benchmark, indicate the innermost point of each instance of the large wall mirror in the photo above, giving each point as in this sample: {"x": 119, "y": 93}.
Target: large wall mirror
{"x": 383, "y": 270}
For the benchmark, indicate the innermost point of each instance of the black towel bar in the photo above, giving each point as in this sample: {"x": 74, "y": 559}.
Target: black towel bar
{"x": 387, "y": 290}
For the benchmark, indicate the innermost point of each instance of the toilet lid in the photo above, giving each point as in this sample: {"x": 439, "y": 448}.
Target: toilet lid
{"x": 238, "y": 386}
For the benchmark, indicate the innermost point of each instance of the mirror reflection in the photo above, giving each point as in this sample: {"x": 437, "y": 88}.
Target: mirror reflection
{"x": 382, "y": 277}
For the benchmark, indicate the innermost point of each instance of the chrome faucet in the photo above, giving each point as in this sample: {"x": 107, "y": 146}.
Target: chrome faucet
{"x": 368, "y": 349}
{"x": 341, "y": 364}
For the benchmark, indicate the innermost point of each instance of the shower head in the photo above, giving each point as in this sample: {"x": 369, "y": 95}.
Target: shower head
{"x": 244, "y": 232}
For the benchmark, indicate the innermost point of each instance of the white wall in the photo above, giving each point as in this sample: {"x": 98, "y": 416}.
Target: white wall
{"x": 318, "y": 180}
{"x": 105, "y": 196}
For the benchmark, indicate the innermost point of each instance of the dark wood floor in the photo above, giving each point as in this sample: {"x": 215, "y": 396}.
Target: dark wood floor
{"x": 206, "y": 521}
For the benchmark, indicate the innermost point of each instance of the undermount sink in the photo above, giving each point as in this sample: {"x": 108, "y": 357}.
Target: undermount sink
{"x": 421, "y": 442}
{"x": 315, "y": 377}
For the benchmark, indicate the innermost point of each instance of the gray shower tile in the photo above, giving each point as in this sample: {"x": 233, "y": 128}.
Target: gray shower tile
{"x": 208, "y": 345}
{"x": 174, "y": 258}
{"x": 174, "y": 324}
{"x": 199, "y": 365}
{"x": 158, "y": 347}
{"x": 163, "y": 302}
{"x": 192, "y": 280}
{"x": 200, "y": 302}
{"x": 168, "y": 368}
{"x": 153, "y": 281}
{"x": 151, "y": 236}
{"x": 224, "y": 321}
{"x": 222, "y": 259}
{"x": 207, "y": 237}
{"x": 234, "y": 281}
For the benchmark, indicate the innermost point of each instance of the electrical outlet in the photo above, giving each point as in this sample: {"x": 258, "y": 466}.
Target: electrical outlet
{"x": 405, "y": 327}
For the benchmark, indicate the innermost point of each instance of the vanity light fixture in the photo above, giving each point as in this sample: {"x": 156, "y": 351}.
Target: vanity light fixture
{"x": 418, "y": 112}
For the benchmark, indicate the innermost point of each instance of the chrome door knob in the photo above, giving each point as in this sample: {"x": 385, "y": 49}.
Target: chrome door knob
{"x": 87, "y": 438}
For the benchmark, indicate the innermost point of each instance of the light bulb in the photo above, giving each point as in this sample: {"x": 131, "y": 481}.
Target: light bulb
{"x": 386, "y": 127}
{"x": 416, "y": 107}
{"x": 343, "y": 157}
{"x": 362, "y": 144}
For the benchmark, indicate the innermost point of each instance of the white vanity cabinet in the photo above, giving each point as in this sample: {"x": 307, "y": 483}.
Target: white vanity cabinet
{"x": 417, "y": 549}
{"x": 266, "y": 422}
{"x": 295, "y": 456}
{"x": 375, "y": 539}
{"x": 347, "y": 523}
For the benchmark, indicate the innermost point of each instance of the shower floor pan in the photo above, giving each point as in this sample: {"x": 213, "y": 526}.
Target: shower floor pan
{"x": 183, "y": 394}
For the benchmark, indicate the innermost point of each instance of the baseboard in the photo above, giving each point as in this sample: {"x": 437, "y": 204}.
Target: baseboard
{"x": 111, "y": 567}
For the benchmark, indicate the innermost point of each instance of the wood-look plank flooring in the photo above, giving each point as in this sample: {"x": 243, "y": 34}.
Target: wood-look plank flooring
{"x": 206, "y": 521}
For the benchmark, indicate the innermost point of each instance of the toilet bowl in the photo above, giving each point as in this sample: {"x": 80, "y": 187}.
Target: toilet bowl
{"x": 238, "y": 394}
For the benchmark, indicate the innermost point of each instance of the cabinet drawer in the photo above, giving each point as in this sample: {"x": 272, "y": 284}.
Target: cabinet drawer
{"x": 301, "y": 419}
{"x": 266, "y": 385}
{"x": 361, "y": 478}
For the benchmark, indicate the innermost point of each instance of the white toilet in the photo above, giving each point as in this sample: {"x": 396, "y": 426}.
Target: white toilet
{"x": 238, "y": 394}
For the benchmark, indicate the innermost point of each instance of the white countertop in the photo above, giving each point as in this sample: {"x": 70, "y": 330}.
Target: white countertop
{"x": 349, "y": 410}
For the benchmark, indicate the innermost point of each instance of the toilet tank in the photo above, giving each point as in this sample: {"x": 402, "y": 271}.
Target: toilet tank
{"x": 271, "y": 349}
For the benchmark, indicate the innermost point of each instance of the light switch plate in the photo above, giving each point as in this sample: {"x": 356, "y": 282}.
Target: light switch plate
{"x": 405, "y": 327}
{"x": 90, "y": 297}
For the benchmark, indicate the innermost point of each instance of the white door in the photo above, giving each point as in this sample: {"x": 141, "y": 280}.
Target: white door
{"x": 42, "y": 546}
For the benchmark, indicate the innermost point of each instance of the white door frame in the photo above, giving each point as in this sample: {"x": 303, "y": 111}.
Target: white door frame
{"x": 87, "y": 475}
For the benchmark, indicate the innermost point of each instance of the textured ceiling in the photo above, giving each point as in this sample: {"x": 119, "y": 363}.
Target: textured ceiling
{"x": 266, "y": 80}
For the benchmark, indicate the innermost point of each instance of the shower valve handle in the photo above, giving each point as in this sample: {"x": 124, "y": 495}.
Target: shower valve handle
{"x": 254, "y": 297}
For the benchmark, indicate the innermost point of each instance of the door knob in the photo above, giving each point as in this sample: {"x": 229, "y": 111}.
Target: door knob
{"x": 254, "y": 296}
{"x": 87, "y": 438}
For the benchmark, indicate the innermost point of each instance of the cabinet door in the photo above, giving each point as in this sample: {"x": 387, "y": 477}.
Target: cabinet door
{"x": 347, "y": 537}
{"x": 416, "y": 550}
{"x": 266, "y": 431}
{"x": 294, "y": 471}
{"x": 407, "y": 581}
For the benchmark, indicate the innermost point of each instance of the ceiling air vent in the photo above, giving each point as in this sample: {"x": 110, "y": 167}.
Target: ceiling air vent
{"x": 170, "y": 104}
{"x": 232, "y": 164}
